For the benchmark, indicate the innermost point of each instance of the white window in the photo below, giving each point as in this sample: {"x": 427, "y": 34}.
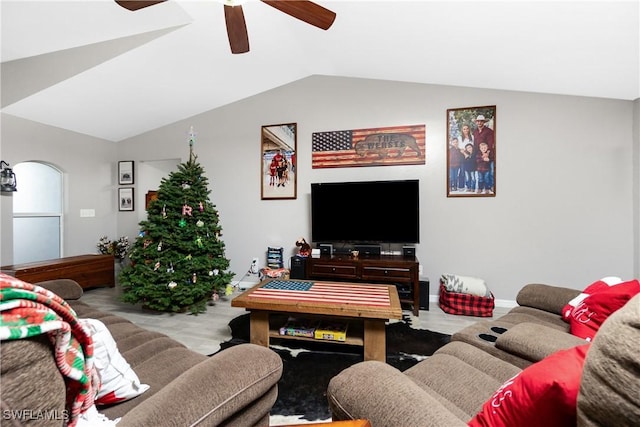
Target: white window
{"x": 37, "y": 213}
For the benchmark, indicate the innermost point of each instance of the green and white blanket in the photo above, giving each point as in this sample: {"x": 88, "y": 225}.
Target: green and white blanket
{"x": 28, "y": 310}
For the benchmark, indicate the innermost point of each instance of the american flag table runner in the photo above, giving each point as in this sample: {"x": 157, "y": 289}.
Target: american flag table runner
{"x": 324, "y": 292}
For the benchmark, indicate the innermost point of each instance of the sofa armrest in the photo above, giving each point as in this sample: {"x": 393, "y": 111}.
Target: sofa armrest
{"x": 66, "y": 289}
{"x": 372, "y": 390}
{"x": 212, "y": 391}
{"x": 546, "y": 297}
{"x": 534, "y": 342}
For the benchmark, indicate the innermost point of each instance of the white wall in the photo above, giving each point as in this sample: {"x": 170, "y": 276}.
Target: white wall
{"x": 89, "y": 173}
{"x": 636, "y": 188}
{"x": 564, "y": 210}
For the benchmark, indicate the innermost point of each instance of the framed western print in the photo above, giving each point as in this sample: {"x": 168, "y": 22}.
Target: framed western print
{"x": 125, "y": 199}
{"x": 278, "y": 145}
{"x": 471, "y": 152}
{"x": 125, "y": 172}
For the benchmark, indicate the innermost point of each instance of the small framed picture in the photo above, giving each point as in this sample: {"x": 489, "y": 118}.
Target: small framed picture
{"x": 125, "y": 172}
{"x": 125, "y": 199}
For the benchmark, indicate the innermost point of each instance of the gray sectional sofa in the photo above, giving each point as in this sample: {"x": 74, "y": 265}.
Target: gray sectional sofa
{"x": 451, "y": 387}
{"x": 235, "y": 387}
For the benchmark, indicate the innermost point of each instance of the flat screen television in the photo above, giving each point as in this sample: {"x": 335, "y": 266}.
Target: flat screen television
{"x": 365, "y": 212}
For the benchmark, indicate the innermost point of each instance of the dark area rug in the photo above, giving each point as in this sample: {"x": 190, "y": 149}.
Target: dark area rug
{"x": 310, "y": 365}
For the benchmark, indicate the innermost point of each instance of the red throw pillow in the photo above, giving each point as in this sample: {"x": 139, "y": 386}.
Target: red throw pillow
{"x": 544, "y": 394}
{"x": 589, "y": 315}
{"x": 597, "y": 286}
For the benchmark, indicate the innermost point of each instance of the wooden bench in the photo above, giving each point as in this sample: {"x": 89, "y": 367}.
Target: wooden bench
{"x": 88, "y": 270}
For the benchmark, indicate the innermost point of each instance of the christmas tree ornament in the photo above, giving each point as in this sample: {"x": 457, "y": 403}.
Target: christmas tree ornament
{"x": 164, "y": 211}
{"x": 215, "y": 296}
{"x": 186, "y": 210}
{"x": 160, "y": 246}
{"x": 185, "y": 186}
{"x": 200, "y": 223}
{"x": 147, "y": 243}
{"x": 188, "y": 257}
{"x": 201, "y": 207}
{"x": 215, "y": 272}
{"x": 172, "y": 284}
{"x": 210, "y": 272}
{"x": 199, "y": 242}
{"x": 228, "y": 290}
{"x": 194, "y": 278}
{"x": 157, "y": 266}
{"x": 170, "y": 269}
{"x": 182, "y": 223}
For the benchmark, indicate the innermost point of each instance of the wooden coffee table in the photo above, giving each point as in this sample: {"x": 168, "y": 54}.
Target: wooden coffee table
{"x": 369, "y": 305}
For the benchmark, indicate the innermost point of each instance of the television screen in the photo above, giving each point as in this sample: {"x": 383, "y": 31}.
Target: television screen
{"x": 365, "y": 212}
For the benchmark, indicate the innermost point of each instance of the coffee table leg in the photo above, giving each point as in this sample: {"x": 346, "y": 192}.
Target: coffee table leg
{"x": 375, "y": 341}
{"x": 259, "y": 324}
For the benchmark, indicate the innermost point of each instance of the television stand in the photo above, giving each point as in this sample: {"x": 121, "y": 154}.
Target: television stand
{"x": 386, "y": 269}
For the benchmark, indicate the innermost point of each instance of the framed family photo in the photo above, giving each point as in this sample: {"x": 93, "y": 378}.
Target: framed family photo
{"x": 278, "y": 145}
{"x": 471, "y": 152}
{"x": 125, "y": 172}
{"x": 125, "y": 199}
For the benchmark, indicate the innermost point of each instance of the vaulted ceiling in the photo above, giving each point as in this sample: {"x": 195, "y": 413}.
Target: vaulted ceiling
{"x": 96, "y": 68}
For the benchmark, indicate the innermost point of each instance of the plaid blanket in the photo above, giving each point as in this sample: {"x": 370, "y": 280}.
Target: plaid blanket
{"x": 28, "y": 310}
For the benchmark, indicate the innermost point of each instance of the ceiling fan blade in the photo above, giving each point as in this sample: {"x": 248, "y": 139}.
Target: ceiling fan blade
{"x": 137, "y": 4}
{"x": 236, "y": 29}
{"x": 306, "y": 11}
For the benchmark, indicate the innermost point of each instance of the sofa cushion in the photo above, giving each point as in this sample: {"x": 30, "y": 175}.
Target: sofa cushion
{"x": 545, "y": 297}
{"x": 589, "y": 315}
{"x": 610, "y": 387}
{"x": 118, "y": 380}
{"x": 534, "y": 342}
{"x": 31, "y": 381}
{"x": 442, "y": 371}
{"x": 66, "y": 289}
{"x": 544, "y": 394}
{"x": 222, "y": 390}
{"x": 157, "y": 370}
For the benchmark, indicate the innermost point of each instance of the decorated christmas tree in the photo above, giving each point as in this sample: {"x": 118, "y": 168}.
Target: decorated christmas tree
{"x": 178, "y": 261}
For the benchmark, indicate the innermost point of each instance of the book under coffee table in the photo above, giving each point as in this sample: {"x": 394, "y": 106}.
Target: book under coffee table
{"x": 366, "y": 306}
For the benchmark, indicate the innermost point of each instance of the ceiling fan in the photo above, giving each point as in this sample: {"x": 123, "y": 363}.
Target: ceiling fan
{"x": 304, "y": 10}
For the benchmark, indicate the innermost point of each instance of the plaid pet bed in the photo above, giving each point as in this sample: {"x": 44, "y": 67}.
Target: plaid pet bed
{"x": 465, "y": 304}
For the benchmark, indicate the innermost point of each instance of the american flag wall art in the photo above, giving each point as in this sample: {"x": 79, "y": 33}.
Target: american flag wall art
{"x": 385, "y": 146}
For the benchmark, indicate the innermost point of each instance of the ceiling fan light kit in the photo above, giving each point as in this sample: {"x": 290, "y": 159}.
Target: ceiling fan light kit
{"x": 304, "y": 10}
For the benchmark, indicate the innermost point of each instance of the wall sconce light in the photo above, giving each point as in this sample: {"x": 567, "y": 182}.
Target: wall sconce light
{"x": 7, "y": 178}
